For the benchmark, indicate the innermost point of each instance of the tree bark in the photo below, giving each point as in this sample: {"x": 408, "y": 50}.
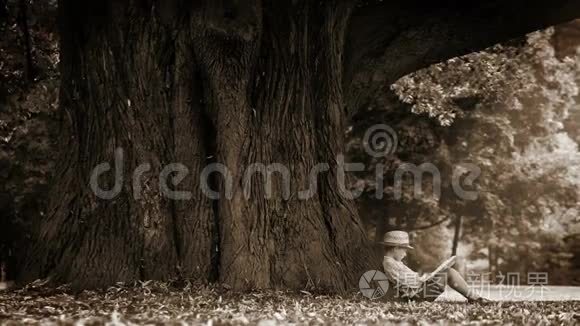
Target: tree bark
{"x": 127, "y": 83}
{"x": 23, "y": 20}
{"x": 292, "y": 116}
{"x": 456, "y": 235}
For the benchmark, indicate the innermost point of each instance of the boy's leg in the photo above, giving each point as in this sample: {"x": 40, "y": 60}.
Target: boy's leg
{"x": 456, "y": 282}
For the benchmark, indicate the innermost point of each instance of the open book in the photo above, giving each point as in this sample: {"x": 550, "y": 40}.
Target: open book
{"x": 443, "y": 266}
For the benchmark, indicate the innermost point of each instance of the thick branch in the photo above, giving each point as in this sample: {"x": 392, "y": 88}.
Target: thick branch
{"x": 391, "y": 39}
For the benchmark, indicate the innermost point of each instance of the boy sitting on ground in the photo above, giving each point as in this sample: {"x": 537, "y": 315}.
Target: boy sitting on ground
{"x": 408, "y": 284}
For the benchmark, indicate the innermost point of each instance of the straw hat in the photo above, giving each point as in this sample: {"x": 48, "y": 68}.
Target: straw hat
{"x": 397, "y": 239}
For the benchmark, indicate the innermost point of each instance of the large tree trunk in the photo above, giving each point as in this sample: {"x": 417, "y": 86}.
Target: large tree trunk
{"x": 282, "y": 104}
{"x": 127, "y": 83}
{"x": 218, "y": 84}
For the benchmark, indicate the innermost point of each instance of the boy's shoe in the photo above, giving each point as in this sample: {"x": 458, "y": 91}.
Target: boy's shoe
{"x": 480, "y": 300}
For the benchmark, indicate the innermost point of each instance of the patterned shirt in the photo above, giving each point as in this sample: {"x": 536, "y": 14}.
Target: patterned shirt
{"x": 400, "y": 274}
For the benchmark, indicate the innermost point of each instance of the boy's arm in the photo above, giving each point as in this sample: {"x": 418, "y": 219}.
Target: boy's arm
{"x": 401, "y": 275}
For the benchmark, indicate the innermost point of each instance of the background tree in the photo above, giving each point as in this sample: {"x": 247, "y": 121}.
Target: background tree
{"x": 506, "y": 109}
{"x": 28, "y": 123}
